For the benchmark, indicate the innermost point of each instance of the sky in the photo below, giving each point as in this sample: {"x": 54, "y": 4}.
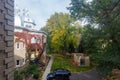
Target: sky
{"x": 41, "y": 10}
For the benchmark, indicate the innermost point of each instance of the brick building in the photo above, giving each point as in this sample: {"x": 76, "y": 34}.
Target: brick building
{"x": 6, "y": 39}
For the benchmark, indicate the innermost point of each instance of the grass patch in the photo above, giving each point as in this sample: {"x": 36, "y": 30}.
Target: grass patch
{"x": 61, "y": 61}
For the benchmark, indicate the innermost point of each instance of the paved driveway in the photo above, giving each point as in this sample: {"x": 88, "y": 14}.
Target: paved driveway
{"x": 90, "y": 75}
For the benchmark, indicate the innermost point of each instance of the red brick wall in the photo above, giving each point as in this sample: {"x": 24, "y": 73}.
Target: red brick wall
{"x": 6, "y": 39}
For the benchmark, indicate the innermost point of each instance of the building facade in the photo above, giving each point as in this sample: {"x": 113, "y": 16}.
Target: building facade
{"x": 28, "y": 42}
{"x": 20, "y": 51}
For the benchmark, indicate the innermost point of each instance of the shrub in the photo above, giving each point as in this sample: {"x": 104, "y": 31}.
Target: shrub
{"x": 31, "y": 69}
{"x": 18, "y": 75}
{"x": 36, "y": 74}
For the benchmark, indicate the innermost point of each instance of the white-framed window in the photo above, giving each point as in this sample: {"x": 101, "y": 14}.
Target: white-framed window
{"x": 33, "y": 40}
{"x": 28, "y": 26}
{"x": 18, "y": 45}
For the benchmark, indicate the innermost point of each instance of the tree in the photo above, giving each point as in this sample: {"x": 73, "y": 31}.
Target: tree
{"x": 62, "y": 32}
{"x": 105, "y": 36}
{"x": 48, "y": 45}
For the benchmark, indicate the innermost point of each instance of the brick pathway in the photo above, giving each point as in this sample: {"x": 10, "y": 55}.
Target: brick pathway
{"x": 90, "y": 75}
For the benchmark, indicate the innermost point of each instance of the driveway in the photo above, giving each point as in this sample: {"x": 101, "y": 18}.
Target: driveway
{"x": 90, "y": 75}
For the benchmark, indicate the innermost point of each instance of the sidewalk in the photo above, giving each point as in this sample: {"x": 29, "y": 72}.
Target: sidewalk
{"x": 48, "y": 68}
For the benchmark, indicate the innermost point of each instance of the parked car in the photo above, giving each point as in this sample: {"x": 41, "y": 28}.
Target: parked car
{"x": 59, "y": 74}
{"x": 51, "y": 76}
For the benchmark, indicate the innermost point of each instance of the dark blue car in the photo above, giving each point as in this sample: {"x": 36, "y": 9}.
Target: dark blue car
{"x": 59, "y": 74}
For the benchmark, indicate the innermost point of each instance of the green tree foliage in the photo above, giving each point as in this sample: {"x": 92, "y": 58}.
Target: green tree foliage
{"x": 49, "y": 47}
{"x": 102, "y": 40}
{"x": 88, "y": 41}
{"x": 62, "y": 33}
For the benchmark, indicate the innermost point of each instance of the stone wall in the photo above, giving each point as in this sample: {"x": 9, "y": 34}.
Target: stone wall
{"x": 77, "y": 59}
{"x": 6, "y": 39}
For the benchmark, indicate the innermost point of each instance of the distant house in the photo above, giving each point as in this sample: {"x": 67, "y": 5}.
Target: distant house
{"x": 80, "y": 59}
{"x": 33, "y": 43}
{"x": 20, "y": 52}
{"x": 29, "y": 43}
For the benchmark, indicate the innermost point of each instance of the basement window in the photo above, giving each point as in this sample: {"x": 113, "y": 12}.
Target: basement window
{"x": 17, "y": 62}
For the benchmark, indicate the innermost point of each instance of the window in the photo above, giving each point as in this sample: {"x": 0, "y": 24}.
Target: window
{"x": 28, "y": 26}
{"x": 18, "y": 45}
{"x": 33, "y": 40}
{"x": 17, "y": 62}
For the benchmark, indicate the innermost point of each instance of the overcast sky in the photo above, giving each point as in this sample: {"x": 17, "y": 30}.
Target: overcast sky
{"x": 41, "y": 10}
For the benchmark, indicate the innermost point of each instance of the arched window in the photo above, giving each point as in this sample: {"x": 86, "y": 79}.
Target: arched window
{"x": 33, "y": 40}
